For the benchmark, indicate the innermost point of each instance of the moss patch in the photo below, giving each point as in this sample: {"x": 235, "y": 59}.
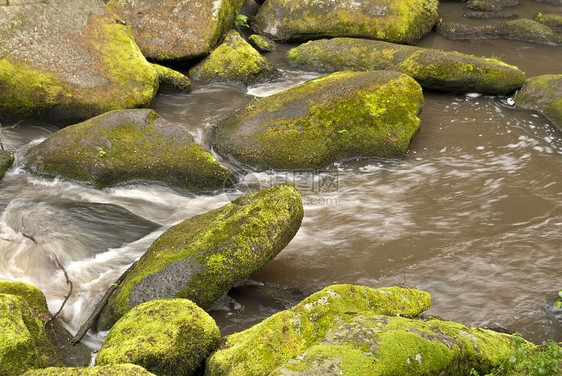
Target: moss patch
{"x": 171, "y": 80}
{"x": 6, "y": 161}
{"x": 113, "y": 370}
{"x": 338, "y": 116}
{"x": 128, "y": 145}
{"x": 204, "y": 256}
{"x": 165, "y": 336}
{"x": 543, "y": 94}
{"x": 433, "y": 69}
{"x": 235, "y": 62}
{"x": 395, "y": 21}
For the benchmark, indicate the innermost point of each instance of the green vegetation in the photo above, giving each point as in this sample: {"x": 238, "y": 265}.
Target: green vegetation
{"x": 241, "y": 20}
{"x": 559, "y": 302}
{"x": 527, "y": 359}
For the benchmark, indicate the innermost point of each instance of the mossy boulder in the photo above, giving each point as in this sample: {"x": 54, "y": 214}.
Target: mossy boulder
{"x": 334, "y": 117}
{"x": 236, "y": 62}
{"x": 6, "y": 161}
{"x": 355, "y": 330}
{"x": 261, "y": 43}
{"x": 127, "y": 145}
{"x": 490, "y": 5}
{"x": 168, "y": 30}
{"x": 69, "y": 60}
{"x": 203, "y": 257}
{"x": 552, "y": 20}
{"x": 401, "y": 21}
{"x": 25, "y": 343}
{"x": 543, "y": 94}
{"x": 113, "y": 370}
{"x": 171, "y": 81}
{"x": 432, "y": 69}
{"x": 169, "y": 337}
{"x": 521, "y": 29}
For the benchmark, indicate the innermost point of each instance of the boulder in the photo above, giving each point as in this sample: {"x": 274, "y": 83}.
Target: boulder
{"x": 401, "y": 21}
{"x": 522, "y": 29}
{"x": 171, "y": 81}
{"x": 334, "y": 117}
{"x": 552, "y": 20}
{"x": 6, "y": 161}
{"x": 544, "y": 95}
{"x": 488, "y": 15}
{"x": 433, "y": 69}
{"x": 235, "y": 62}
{"x": 355, "y": 330}
{"x": 113, "y": 370}
{"x": 69, "y": 60}
{"x": 169, "y": 337}
{"x": 201, "y": 258}
{"x": 178, "y": 31}
{"x": 25, "y": 343}
{"x": 261, "y": 43}
{"x": 490, "y": 5}
{"x": 127, "y": 145}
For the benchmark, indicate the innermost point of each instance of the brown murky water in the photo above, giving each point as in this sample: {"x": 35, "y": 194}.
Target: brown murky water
{"x": 473, "y": 214}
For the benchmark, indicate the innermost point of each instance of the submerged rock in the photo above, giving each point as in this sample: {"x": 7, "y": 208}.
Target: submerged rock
{"x": 262, "y": 43}
{"x": 171, "y": 80}
{"x": 204, "y": 256}
{"x": 347, "y": 329}
{"x": 490, "y": 5}
{"x": 522, "y": 29}
{"x": 69, "y": 60}
{"x": 6, "y": 161}
{"x": 488, "y": 15}
{"x": 169, "y": 337}
{"x": 25, "y": 343}
{"x": 543, "y": 94}
{"x": 180, "y": 31}
{"x": 433, "y": 69}
{"x": 236, "y": 62}
{"x": 113, "y": 370}
{"x": 334, "y": 117}
{"x": 402, "y": 21}
{"x": 128, "y": 145}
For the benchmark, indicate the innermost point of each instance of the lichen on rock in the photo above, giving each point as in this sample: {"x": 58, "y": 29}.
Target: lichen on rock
{"x": 334, "y": 117}
{"x": 128, "y": 145}
{"x": 544, "y": 95}
{"x": 169, "y": 337}
{"x": 201, "y": 258}
{"x": 401, "y": 21}
{"x": 25, "y": 343}
{"x": 236, "y": 62}
{"x": 433, "y": 69}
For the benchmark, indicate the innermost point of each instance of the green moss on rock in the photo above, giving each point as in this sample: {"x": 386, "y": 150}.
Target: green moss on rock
{"x": 112, "y": 370}
{"x": 6, "y": 161}
{"x": 338, "y": 116}
{"x": 355, "y": 330}
{"x": 166, "y": 336}
{"x": 396, "y": 20}
{"x": 433, "y": 69}
{"x": 204, "y": 256}
{"x": 543, "y": 94}
{"x": 262, "y": 43}
{"x": 128, "y": 145}
{"x": 103, "y": 70}
{"x": 171, "y": 80}
{"x": 24, "y": 341}
{"x": 552, "y": 20}
{"x": 235, "y": 61}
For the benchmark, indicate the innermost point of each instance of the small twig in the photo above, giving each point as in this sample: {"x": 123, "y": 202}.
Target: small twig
{"x": 59, "y": 264}
{"x": 10, "y": 127}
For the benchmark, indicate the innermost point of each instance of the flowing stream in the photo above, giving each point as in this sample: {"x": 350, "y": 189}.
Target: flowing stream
{"x": 472, "y": 214}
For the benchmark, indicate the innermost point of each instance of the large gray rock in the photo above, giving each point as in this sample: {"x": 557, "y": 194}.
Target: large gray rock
{"x": 334, "y": 117}
{"x": 356, "y": 330}
{"x": 128, "y": 145}
{"x": 25, "y": 342}
{"x": 180, "y": 31}
{"x": 521, "y": 29}
{"x": 402, "y": 21}
{"x": 203, "y": 257}
{"x": 433, "y": 69}
{"x": 69, "y": 60}
{"x": 236, "y": 62}
{"x": 543, "y": 94}
{"x": 169, "y": 337}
